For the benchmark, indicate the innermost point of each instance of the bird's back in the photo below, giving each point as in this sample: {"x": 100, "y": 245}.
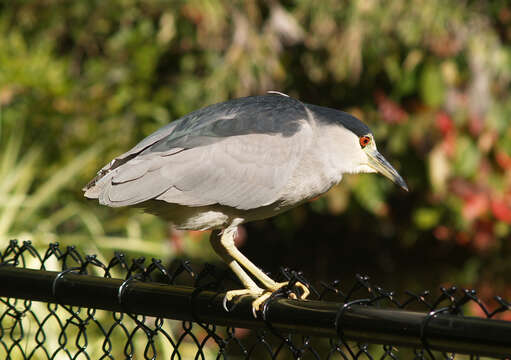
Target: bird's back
{"x": 236, "y": 154}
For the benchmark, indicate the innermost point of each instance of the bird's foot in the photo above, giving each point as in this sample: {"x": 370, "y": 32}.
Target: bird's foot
{"x": 259, "y": 302}
{"x": 292, "y": 294}
{"x": 261, "y": 296}
{"x": 229, "y": 295}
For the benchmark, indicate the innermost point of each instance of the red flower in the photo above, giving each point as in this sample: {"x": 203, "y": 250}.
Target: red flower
{"x": 390, "y": 111}
{"x": 501, "y": 210}
{"x": 444, "y": 123}
{"x": 503, "y": 159}
{"x": 475, "y": 205}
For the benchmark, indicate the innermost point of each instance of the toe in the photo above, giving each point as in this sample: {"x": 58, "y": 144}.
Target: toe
{"x": 229, "y": 295}
{"x": 294, "y": 295}
{"x": 305, "y": 290}
{"x": 256, "y": 304}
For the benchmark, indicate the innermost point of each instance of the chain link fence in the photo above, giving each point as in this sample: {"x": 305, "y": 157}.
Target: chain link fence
{"x": 62, "y": 305}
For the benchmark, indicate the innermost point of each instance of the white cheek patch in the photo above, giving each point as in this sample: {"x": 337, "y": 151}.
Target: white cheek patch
{"x": 364, "y": 169}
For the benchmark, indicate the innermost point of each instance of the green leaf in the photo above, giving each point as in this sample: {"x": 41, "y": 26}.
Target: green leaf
{"x": 467, "y": 157}
{"x": 427, "y": 218}
{"x": 432, "y": 87}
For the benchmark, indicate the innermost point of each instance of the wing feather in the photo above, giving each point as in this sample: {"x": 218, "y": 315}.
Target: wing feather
{"x": 243, "y": 159}
{"x": 244, "y": 172}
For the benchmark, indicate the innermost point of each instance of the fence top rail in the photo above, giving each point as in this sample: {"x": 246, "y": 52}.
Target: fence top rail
{"x": 363, "y": 313}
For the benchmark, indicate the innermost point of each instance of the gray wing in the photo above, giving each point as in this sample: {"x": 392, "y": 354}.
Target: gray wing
{"x": 95, "y": 186}
{"x": 242, "y": 159}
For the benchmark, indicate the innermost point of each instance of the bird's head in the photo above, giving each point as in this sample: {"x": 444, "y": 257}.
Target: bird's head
{"x": 370, "y": 160}
{"x": 352, "y": 144}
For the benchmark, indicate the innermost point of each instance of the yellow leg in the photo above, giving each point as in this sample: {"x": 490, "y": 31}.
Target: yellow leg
{"x": 225, "y": 248}
{"x": 251, "y": 287}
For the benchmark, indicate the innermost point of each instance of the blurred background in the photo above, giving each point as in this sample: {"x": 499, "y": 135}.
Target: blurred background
{"x": 83, "y": 81}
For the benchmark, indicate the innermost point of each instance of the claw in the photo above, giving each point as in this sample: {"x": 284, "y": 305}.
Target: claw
{"x": 224, "y": 303}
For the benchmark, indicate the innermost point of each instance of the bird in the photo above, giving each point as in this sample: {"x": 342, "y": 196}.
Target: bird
{"x": 237, "y": 161}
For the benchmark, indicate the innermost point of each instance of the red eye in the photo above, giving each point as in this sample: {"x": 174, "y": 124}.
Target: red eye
{"x": 364, "y": 141}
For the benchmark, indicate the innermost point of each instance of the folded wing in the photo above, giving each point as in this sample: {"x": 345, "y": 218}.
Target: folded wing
{"x": 204, "y": 167}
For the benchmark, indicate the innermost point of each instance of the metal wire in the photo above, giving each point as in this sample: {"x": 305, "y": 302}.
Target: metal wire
{"x": 63, "y": 305}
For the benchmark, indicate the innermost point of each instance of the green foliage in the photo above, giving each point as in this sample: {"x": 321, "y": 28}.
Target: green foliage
{"x": 426, "y": 218}
{"x": 82, "y": 81}
{"x": 432, "y": 88}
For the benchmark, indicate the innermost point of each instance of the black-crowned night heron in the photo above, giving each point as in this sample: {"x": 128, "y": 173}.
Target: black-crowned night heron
{"x": 238, "y": 161}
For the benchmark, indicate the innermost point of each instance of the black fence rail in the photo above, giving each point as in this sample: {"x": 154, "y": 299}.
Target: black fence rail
{"x": 61, "y": 304}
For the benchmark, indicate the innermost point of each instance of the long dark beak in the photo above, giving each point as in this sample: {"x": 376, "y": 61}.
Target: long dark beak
{"x": 381, "y": 165}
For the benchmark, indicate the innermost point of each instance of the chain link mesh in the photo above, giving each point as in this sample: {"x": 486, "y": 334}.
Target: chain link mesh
{"x": 37, "y": 330}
